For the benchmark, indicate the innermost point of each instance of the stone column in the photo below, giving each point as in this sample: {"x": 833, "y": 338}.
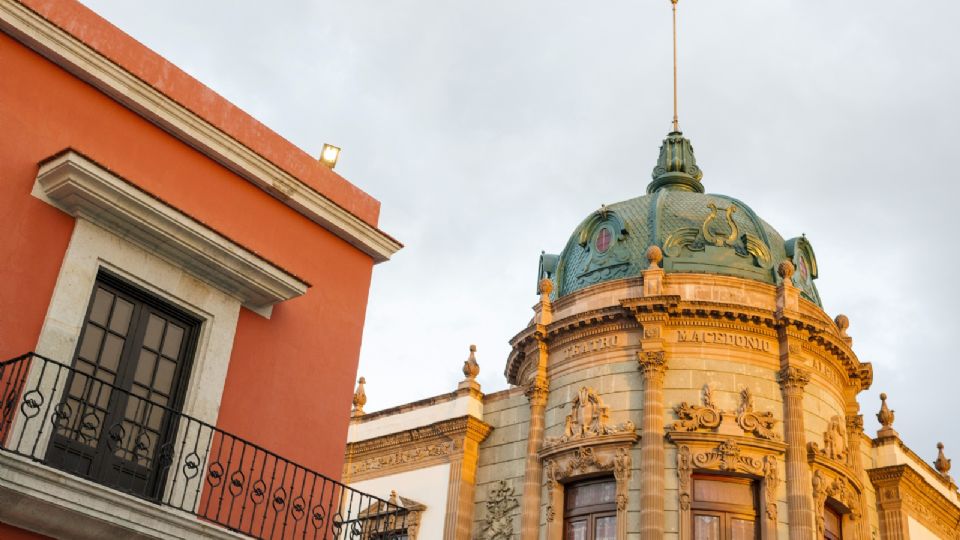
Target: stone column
{"x": 462, "y": 482}
{"x": 799, "y": 489}
{"x": 537, "y": 392}
{"x": 855, "y": 459}
{"x": 652, "y": 366}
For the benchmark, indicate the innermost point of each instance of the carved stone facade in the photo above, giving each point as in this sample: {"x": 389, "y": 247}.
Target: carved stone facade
{"x": 498, "y": 522}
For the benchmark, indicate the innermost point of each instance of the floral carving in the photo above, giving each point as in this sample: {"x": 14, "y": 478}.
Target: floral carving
{"x": 498, "y": 524}
{"x": 694, "y": 417}
{"x": 726, "y": 457}
{"x": 750, "y": 421}
{"x": 588, "y": 418}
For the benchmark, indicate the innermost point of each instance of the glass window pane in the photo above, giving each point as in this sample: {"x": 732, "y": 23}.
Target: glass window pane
{"x": 706, "y": 527}
{"x": 144, "y": 372}
{"x": 110, "y": 357}
{"x": 575, "y": 530}
{"x": 164, "y": 379}
{"x": 725, "y": 491}
{"x": 154, "y": 332}
{"x": 742, "y": 529}
{"x": 171, "y": 341}
{"x": 90, "y": 347}
{"x": 606, "y": 528}
{"x": 120, "y": 321}
{"x": 101, "y": 307}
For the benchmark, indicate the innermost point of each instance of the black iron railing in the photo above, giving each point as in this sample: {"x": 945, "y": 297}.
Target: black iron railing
{"x": 80, "y": 423}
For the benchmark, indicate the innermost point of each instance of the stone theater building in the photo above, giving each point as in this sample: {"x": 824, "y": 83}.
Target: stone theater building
{"x": 679, "y": 379}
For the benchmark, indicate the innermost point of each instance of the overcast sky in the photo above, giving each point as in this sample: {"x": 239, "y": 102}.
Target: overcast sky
{"x": 489, "y": 130}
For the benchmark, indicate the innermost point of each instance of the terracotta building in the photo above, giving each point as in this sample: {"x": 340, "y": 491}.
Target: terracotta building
{"x": 679, "y": 379}
{"x": 181, "y": 304}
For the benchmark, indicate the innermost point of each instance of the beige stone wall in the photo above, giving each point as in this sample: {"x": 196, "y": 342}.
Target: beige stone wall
{"x": 503, "y": 453}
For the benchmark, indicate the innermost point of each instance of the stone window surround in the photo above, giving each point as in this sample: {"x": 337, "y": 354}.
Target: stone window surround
{"x": 702, "y": 452}
{"x": 848, "y": 501}
{"x": 581, "y": 459}
{"x": 121, "y": 229}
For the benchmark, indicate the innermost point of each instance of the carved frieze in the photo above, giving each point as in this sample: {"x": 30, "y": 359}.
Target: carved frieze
{"x": 415, "y": 455}
{"x": 498, "y": 523}
{"x": 588, "y": 418}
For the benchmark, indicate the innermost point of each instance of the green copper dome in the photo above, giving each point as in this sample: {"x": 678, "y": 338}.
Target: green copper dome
{"x": 697, "y": 232}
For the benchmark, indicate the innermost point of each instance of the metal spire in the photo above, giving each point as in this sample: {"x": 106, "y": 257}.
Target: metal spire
{"x": 676, "y": 121}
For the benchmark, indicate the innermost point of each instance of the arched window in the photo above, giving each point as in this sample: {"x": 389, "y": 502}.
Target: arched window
{"x": 590, "y": 510}
{"x": 724, "y": 508}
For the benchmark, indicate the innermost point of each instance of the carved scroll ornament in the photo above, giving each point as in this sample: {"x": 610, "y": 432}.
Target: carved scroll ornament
{"x": 583, "y": 462}
{"x": 836, "y": 489}
{"x": 709, "y": 416}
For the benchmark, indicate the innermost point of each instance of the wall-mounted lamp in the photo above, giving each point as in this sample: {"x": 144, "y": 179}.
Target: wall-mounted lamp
{"x": 329, "y": 155}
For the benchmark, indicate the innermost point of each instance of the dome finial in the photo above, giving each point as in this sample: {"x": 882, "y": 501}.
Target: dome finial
{"x": 676, "y": 119}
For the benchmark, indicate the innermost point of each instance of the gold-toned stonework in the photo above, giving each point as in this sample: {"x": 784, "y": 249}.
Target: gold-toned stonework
{"x": 498, "y": 523}
{"x": 902, "y": 493}
{"x": 834, "y": 441}
{"x": 842, "y": 495}
{"x": 380, "y": 520}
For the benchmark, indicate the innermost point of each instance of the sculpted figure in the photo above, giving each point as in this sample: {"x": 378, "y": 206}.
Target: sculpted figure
{"x": 835, "y": 440}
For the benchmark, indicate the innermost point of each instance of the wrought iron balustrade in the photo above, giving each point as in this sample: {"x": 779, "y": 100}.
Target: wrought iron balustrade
{"x": 80, "y": 423}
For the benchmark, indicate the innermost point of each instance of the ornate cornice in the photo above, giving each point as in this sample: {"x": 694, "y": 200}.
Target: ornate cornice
{"x": 899, "y": 487}
{"x": 413, "y": 448}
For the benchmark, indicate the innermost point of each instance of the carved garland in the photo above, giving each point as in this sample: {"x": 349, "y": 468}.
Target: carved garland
{"x": 837, "y": 489}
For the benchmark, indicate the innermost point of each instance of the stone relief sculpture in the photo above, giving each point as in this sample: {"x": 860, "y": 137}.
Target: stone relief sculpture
{"x": 588, "y": 417}
{"x": 498, "y": 524}
{"x": 585, "y": 461}
{"x": 834, "y": 441}
{"x": 709, "y": 416}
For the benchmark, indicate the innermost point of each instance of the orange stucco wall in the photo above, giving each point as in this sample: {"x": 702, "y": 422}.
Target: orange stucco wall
{"x": 153, "y": 69}
{"x": 291, "y": 377}
{"x": 9, "y": 532}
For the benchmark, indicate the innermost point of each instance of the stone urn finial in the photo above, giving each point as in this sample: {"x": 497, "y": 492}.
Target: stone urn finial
{"x": 885, "y": 417}
{"x": 942, "y": 464}
{"x": 654, "y": 256}
{"x": 470, "y": 366}
{"x": 786, "y": 270}
{"x": 359, "y": 398}
{"x": 842, "y": 322}
{"x": 546, "y": 287}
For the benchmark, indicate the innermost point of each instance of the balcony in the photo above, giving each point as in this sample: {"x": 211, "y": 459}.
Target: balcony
{"x": 77, "y": 448}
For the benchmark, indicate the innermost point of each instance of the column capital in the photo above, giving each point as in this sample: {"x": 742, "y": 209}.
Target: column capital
{"x": 652, "y": 363}
{"x": 854, "y": 425}
{"x": 792, "y": 378}
{"x": 537, "y": 391}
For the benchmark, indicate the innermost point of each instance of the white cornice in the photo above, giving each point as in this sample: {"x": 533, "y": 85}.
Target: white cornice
{"x": 86, "y": 190}
{"x": 71, "y": 54}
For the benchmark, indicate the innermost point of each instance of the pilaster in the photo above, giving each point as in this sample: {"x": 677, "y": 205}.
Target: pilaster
{"x": 537, "y": 392}
{"x": 652, "y": 365}
{"x": 792, "y": 381}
